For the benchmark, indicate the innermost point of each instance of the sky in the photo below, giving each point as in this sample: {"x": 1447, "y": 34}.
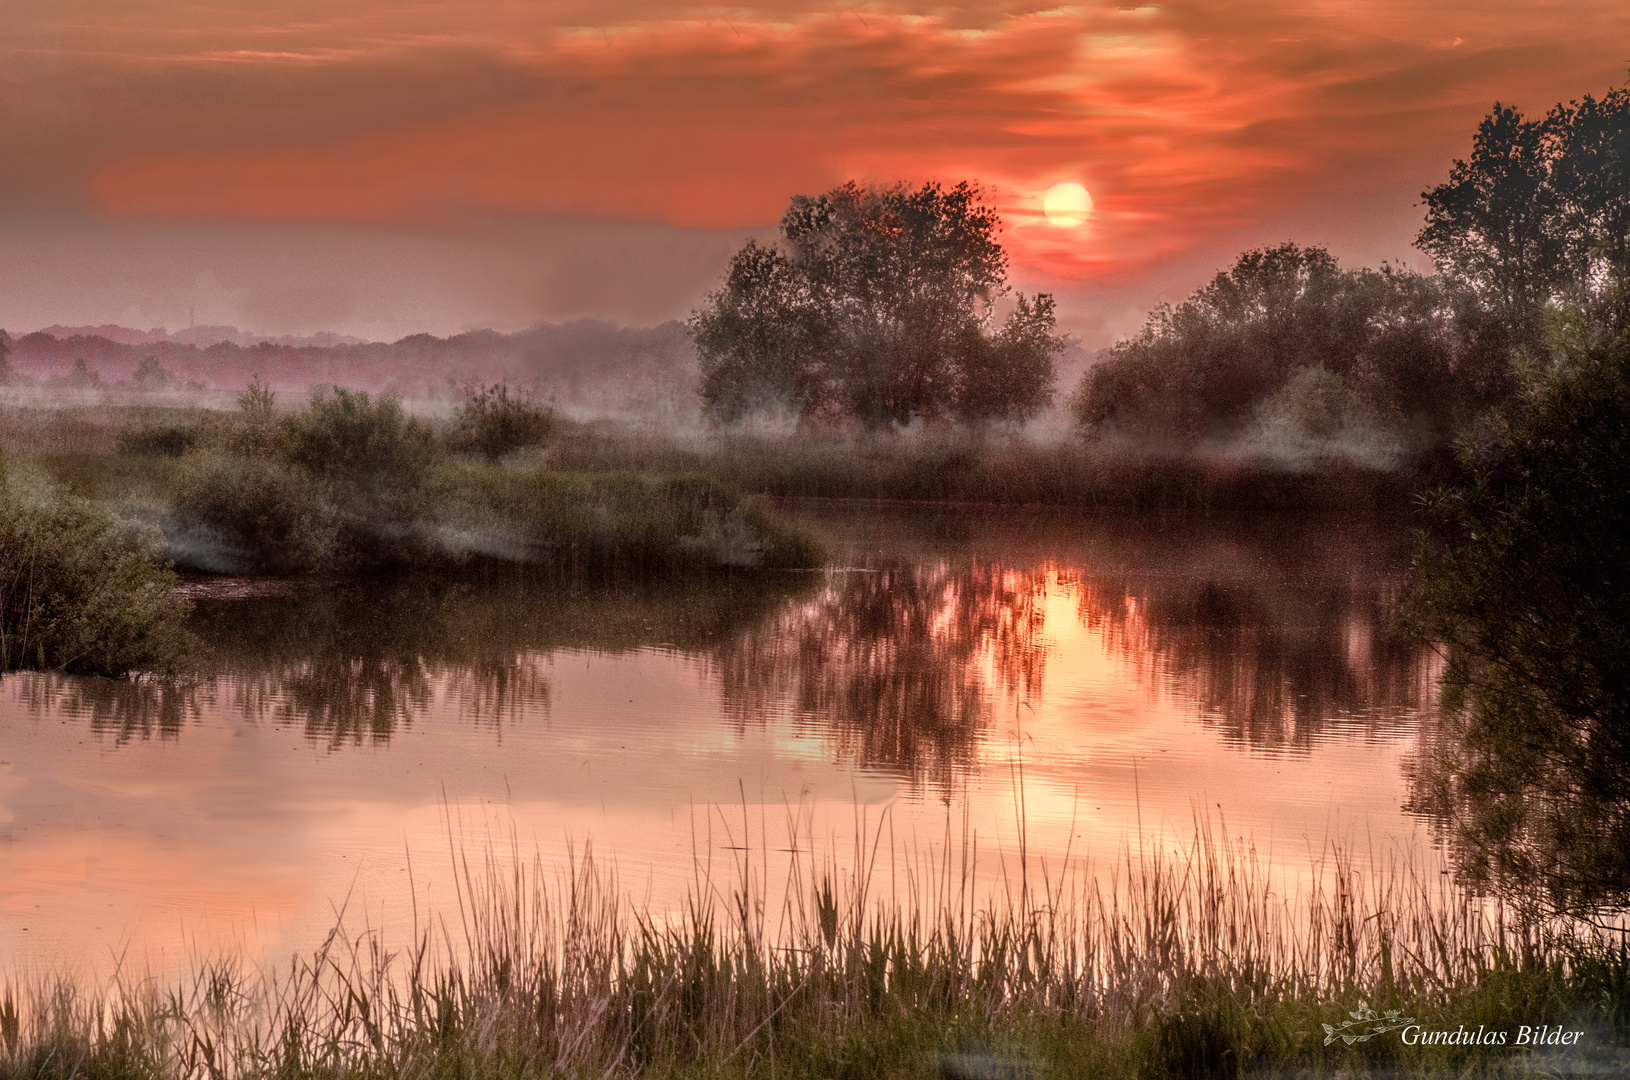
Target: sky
{"x": 385, "y": 168}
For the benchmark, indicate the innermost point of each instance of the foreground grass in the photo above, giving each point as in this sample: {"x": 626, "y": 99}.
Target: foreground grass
{"x": 1190, "y": 963}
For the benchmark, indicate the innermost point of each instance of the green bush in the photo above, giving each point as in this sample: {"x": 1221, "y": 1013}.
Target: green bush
{"x": 243, "y": 514}
{"x": 355, "y": 439}
{"x": 80, "y": 589}
{"x": 495, "y": 422}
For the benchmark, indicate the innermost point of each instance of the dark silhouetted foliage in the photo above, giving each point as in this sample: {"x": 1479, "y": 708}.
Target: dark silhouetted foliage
{"x": 152, "y": 376}
{"x": 1204, "y": 368}
{"x": 1531, "y": 595}
{"x": 6, "y": 372}
{"x": 81, "y": 378}
{"x": 1539, "y": 214}
{"x": 877, "y": 306}
{"x": 161, "y": 440}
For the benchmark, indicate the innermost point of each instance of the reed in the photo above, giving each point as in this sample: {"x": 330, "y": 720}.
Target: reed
{"x": 991, "y": 465}
{"x": 1184, "y": 960}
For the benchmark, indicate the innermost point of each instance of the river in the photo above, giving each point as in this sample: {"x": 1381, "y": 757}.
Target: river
{"x": 1082, "y": 684}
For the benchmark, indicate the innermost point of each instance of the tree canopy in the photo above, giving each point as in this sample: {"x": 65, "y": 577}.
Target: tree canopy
{"x": 1385, "y": 339}
{"x": 877, "y": 304}
{"x": 1540, "y": 214}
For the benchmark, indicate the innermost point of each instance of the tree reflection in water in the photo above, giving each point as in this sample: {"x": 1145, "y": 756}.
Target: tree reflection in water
{"x": 1271, "y": 664}
{"x": 1543, "y": 819}
{"x": 354, "y": 663}
{"x": 1278, "y": 634}
{"x": 898, "y": 664}
{"x": 120, "y": 709}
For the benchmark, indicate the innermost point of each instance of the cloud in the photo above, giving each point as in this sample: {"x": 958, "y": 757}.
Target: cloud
{"x": 1196, "y": 125}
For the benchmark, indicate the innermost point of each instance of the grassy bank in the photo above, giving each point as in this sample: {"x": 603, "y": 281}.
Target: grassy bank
{"x": 349, "y": 483}
{"x": 1187, "y": 963}
{"x": 943, "y": 463}
{"x": 100, "y": 502}
{"x": 993, "y": 465}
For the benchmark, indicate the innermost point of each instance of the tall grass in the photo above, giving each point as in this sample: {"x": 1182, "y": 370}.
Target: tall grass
{"x": 992, "y": 465}
{"x": 1184, "y": 961}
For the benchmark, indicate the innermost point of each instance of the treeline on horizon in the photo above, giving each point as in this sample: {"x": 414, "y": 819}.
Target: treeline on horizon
{"x": 586, "y": 361}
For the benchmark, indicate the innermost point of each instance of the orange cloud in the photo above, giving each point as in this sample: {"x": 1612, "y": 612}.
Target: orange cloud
{"x": 1186, "y": 121}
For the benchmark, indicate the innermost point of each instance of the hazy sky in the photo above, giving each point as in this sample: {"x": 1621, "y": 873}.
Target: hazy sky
{"x": 384, "y": 168}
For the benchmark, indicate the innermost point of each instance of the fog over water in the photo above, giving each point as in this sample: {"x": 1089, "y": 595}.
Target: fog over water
{"x": 1117, "y": 675}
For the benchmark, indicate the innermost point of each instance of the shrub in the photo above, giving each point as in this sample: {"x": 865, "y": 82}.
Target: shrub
{"x": 495, "y": 422}
{"x": 372, "y": 461}
{"x": 80, "y": 589}
{"x": 348, "y": 436}
{"x": 237, "y": 514}
{"x": 160, "y": 440}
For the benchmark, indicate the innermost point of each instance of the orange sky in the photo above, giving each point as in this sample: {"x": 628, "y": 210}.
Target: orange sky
{"x": 384, "y": 168}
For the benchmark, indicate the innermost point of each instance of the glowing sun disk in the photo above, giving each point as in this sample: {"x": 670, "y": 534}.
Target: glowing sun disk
{"x": 1066, "y": 205}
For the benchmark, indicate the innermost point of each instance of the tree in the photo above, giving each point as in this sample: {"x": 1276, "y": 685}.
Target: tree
{"x": 6, "y": 372}
{"x": 1205, "y": 367}
{"x": 1539, "y": 214}
{"x": 151, "y": 375}
{"x": 877, "y": 305}
{"x": 1530, "y": 594}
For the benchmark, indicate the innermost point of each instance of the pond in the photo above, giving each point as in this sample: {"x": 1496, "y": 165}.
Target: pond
{"x": 1081, "y": 685}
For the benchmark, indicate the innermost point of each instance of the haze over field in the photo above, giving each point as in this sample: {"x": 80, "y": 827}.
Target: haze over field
{"x": 375, "y": 171}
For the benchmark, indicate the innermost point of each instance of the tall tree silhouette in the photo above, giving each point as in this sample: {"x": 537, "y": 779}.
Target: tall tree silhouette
{"x": 1540, "y": 213}
{"x": 878, "y": 305}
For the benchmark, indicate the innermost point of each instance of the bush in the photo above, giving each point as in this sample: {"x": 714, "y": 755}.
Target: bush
{"x": 371, "y": 461}
{"x": 80, "y": 589}
{"x": 235, "y": 514}
{"x": 351, "y": 438}
{"x": 495, "y": 422}
{"x": 160, "y": 440}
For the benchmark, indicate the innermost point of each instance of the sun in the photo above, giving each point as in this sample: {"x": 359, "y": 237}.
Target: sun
{"x": 1066, "y": 205}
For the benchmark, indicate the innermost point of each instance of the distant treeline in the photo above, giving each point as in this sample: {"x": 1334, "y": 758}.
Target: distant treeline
{"x": 587, "y": 362}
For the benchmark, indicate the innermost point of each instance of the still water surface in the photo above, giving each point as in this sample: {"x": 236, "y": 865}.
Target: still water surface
{"x": 1116, "y": 676}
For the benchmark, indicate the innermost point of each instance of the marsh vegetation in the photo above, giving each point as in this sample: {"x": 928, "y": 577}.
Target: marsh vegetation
{"x": 1178, "y": 961}
{"x": 863, "y": 357}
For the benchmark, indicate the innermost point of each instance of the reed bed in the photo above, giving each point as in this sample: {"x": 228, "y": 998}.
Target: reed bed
{"x": 994, "y": 465}
{"x": 1187, "y": 960}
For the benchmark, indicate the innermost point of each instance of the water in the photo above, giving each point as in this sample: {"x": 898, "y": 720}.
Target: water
{"x": 1102, "y": 681}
